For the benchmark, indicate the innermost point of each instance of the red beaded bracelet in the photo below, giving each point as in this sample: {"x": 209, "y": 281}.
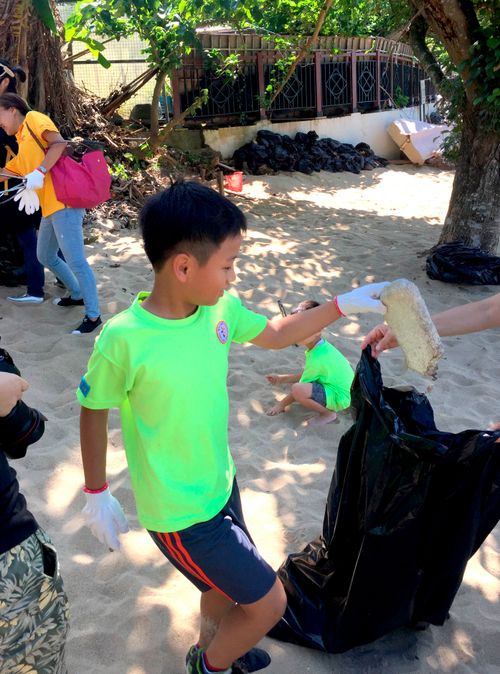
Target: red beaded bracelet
{"x": 96, "y": 491}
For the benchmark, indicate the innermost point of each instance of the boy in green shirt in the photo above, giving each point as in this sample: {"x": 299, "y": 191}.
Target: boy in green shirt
{"x": 324, "y": 386}
{"x": 159, "y": 360}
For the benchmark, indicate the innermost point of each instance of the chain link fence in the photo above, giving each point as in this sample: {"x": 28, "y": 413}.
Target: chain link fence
{"x": 127, "y": 63}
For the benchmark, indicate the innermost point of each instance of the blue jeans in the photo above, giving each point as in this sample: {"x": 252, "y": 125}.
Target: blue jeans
{"x": 63, "y": 229}
{"x": 35, "y": 277}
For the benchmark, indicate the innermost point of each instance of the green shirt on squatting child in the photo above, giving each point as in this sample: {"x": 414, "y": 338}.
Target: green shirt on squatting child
{"x": 155, "y": 370}
{"x": 327, "y": 366}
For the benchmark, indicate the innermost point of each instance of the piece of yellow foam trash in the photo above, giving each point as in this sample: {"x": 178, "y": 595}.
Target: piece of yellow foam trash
{"x": 409, "y": 319}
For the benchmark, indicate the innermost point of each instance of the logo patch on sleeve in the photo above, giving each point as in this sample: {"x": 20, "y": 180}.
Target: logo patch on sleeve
{"x": 84, "y": 387}
{"x": 222, "y": 332}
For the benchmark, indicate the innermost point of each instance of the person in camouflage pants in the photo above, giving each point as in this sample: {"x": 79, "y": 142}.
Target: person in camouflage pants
{"x": 33, "y": 604}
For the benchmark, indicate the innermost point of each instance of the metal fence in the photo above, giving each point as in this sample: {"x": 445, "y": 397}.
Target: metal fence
{"x": 323, "y": 84}
{"x": 342, "y": 75}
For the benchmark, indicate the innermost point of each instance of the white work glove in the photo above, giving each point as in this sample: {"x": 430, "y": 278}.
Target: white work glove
{"x": 34, "y": 180}
{"x": 28, "y": 201}
{"x": 104, "y": 517}
{"x": 365, "y": 299}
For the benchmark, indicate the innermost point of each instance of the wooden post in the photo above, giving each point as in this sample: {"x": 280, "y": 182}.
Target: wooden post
{"x": 354, "y": 83}
{"x": 318, "y": 58}
{"x": 220, "y": 182}
{"x": 262, "y": 83}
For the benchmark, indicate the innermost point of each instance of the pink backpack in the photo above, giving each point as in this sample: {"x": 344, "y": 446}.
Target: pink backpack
{"x": 80, "y": 184}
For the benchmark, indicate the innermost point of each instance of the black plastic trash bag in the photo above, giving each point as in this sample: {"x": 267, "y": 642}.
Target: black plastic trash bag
{"x": 408, "y": 506}
{"x": 458, "y": 263}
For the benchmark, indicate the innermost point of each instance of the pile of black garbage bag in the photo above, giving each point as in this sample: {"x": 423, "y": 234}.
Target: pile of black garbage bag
{"x": 305, "y": 153}
{"x": 408, "y": 506}
{"x": 457, "y": 263}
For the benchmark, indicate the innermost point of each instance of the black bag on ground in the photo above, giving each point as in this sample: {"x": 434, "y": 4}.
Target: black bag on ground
{"x": 458, "y": 263}
{"x": 408, "y": 506}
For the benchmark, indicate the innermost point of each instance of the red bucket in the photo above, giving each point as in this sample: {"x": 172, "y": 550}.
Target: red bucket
{"x": 234, "y": 181}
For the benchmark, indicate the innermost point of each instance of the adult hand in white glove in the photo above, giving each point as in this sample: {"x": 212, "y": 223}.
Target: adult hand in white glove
{"x": 28, "y": 201}
{"x": 363, "y": 300}
{"x": 104, "y": 516}
{"x": 34, "y": 180}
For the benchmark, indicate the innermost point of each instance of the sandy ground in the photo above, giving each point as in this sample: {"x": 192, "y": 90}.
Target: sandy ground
{"x": 308, "y": 237}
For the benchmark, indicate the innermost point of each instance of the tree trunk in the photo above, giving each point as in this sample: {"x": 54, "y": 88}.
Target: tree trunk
{"x": 26, "y": 41}
{"x": 160, "y": 138}
{"x": 474, "y": 212}
{"x": 155, "y": 106}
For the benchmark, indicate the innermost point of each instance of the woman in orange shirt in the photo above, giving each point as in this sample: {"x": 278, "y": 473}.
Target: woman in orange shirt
{"x": 61, "y": 226}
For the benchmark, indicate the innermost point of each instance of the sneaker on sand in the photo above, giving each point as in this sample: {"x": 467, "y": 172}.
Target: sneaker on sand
{"x": 194, "y": 662}
{"x": 26, "y": 299}
{"x": 86, "y": 326}
{"x": 253, "y": 661}
{"x": 67, "y": 302}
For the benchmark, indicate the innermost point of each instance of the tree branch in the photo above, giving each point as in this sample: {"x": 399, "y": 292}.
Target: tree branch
{"x": 455, "y": 24}
{"x": 68, "y": 60}
{"x": 416, "y": 37}
{"x": 304, "y": 51}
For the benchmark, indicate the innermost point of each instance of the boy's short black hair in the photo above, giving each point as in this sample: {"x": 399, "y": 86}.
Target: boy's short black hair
{"x": 188, "y": 217}
{"x": 304, "y": 306}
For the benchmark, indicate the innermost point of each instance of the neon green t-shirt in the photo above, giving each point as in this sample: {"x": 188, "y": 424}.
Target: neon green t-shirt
{"x": 326, "y": 365}
{"x": 168, "y": 377}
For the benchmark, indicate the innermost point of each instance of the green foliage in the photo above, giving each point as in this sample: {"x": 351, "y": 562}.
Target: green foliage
{"x": 477, "y": 78}
{"x": 118, "y": 170}
{"x": 298, "y": 17}
{"x": 169, "y": 32}
{"x": 44, "y": 11}
{"x": 484, "y": 74}
{"x": 227, "y": 67}
{"x": 277, "y": 75}
{"x": 132, "y": 161}
{"x": 400, "y": 100}
{"x": 168, "y": 29}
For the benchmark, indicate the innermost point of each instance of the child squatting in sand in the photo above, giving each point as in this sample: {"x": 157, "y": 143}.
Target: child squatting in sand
{"x": 324, "y": 386}
{"x": 167, "y": 355}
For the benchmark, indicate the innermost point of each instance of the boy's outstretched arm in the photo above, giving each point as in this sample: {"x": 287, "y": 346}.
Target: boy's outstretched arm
{"x": 103, "y": 513}
{"x": 276, "y": 379}
{"x": 282, "y": 332}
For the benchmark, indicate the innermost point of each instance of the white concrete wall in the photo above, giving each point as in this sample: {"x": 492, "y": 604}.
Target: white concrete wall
{"x": 356, "y": 128}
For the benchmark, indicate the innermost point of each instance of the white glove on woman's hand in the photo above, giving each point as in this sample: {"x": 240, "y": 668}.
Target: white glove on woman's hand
{"x": 34, "y": 180}
{"x": 362, "y": 300}
{"x": 28, "y": 201}
{"x": 104, "y": 517}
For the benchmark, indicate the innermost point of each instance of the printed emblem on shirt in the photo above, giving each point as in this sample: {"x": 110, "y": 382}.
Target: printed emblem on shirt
{"x": 84, "y": 387}
{"x": 222, "y": 332}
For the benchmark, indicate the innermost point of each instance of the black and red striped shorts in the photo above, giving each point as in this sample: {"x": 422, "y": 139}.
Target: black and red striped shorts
{"x": 220, "y": 555}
